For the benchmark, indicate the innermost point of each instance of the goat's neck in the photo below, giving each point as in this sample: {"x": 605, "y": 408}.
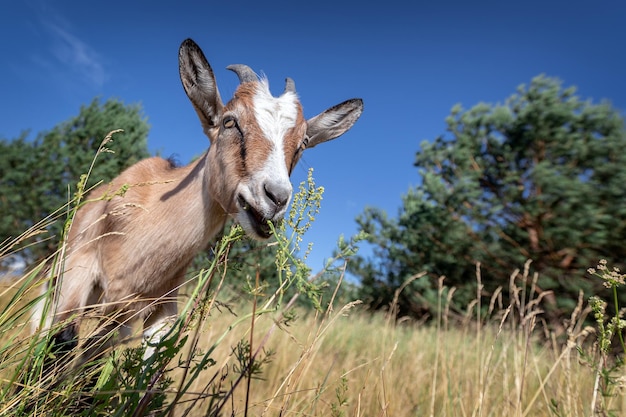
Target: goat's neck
{"x": 198, "y": 211}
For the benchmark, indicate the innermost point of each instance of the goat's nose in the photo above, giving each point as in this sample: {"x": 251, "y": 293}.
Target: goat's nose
{"x": 278, "y": 193}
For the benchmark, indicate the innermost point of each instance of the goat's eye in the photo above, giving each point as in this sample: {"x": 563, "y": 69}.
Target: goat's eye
{"x": 229, "y": 122}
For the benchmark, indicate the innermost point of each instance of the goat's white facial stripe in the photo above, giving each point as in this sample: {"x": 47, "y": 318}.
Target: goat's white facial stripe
{"x": 275, "y": 116}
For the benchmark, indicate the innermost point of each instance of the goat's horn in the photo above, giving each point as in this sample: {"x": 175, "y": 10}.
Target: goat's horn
{"x": 290, "y": 86}
{"x": 244, "y": 73}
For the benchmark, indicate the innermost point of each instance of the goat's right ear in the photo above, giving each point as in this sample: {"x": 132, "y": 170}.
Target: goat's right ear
{"x": 333, "y": 122}
{"x": 199, "y": 84}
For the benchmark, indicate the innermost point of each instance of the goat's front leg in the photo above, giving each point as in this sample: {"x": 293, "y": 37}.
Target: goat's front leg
{"x": 158, "y": 324}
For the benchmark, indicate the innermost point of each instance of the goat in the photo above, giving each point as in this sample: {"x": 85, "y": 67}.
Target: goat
{"x": 125, "y": 252}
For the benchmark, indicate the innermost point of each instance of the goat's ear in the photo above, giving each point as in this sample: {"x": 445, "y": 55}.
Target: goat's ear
{"x": 333, "y": 122}
{"x": 199, "y": 84}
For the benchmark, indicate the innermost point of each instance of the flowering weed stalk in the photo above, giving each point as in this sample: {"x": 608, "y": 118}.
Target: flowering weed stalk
{"x": 609, "y": 366}
{"x": 612, "y": 279}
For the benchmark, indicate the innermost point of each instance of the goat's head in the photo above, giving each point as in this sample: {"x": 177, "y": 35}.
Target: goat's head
{"x": 256, "y": 139}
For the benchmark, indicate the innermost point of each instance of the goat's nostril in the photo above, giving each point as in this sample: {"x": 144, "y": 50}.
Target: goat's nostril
{"x": 278, "y": 194}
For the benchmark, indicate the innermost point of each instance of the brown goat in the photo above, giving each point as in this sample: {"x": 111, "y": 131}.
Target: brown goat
{"x": 126, "y": 252}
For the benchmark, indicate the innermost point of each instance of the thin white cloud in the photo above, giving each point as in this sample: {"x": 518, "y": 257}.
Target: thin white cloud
{"x": 67, "y": 56}
{"x": 76, "y": 54}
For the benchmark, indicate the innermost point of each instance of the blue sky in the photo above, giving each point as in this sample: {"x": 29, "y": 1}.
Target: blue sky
{"x": 410, "y": 61}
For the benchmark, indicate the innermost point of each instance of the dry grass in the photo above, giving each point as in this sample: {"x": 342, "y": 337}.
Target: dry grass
{"x": 348, "y": 362}
{"x": 494, "y": 360}
{"x": 361, "y": 365}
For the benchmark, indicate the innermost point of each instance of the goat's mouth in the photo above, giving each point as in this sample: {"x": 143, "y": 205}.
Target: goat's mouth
{"x": 258, "y": 222}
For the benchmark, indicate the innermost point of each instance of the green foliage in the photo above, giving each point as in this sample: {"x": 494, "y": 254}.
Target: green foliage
{"x": 539, "y": 177}
{"x": 35, "y": 176}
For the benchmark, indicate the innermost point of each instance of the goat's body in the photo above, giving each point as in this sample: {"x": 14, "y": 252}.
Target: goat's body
{"x": 133, "y": 249}
{"x": 131, "y": 243}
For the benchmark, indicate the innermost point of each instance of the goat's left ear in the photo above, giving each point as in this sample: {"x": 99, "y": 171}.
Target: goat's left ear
{"x": 199, "y": 84}
{"x": 333, "y": 122}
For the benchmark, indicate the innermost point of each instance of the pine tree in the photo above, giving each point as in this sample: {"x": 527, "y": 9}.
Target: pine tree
{"x": 540, "y": 177}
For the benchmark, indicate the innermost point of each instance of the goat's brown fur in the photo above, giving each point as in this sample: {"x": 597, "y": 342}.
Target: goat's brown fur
{"x": 128, "y": 253}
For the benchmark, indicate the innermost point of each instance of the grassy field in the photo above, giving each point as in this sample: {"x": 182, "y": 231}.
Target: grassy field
{"x": 353, "y": 363}
{"x": 257, "y": 355}
{"x": 348, "y": 362}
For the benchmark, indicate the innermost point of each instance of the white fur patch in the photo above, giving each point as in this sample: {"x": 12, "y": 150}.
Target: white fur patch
{"x": 275, "y": 115}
